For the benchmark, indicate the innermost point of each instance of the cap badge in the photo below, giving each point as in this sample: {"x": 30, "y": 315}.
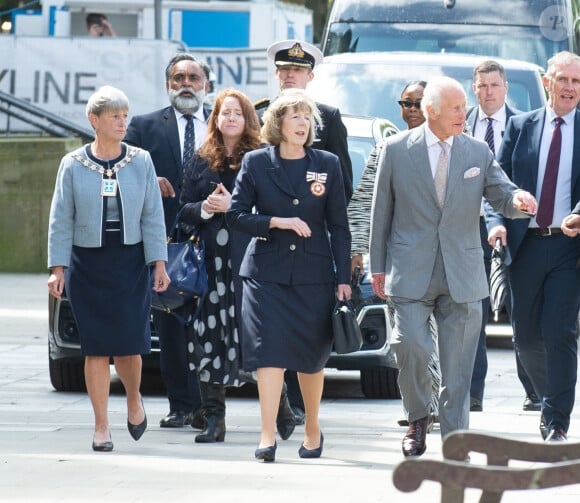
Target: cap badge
{"x": 296, "y": 51}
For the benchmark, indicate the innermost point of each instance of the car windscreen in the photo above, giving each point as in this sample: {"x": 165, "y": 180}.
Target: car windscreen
{"x": 373, "y": 89}
{"x": 525, "y": 43}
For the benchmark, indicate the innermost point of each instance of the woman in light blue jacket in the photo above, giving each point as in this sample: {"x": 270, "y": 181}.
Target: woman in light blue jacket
{"x": 106, "y": 229}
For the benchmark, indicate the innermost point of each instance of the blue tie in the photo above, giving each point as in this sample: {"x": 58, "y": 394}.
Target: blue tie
{"x": 489, "y": 135}
{"x": 188, "y": 141}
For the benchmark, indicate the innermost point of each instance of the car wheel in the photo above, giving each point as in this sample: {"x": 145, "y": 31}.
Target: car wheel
{"x": 380, "y": 382}
{"x": 67, "y": 374}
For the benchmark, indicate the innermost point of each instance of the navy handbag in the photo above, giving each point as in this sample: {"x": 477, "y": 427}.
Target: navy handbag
{"x": 186, "y": 269}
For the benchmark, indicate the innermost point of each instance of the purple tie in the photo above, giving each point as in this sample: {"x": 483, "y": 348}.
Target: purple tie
{"x": 489, "y": 135}
{"x": 546, "y": 204}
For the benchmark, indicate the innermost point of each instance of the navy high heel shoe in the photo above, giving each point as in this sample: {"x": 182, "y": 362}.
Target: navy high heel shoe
{"x": 303, "y": 452}
{"x": 137, "y": 430}
{"x": 267, "y": 454}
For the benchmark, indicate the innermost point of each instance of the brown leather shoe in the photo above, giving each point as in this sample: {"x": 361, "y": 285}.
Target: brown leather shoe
{"x": 414, "y": 441}
{"x": 556, "y": 434}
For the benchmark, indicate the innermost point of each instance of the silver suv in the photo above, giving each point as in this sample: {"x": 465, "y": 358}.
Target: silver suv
{"x": 371, "y": 83}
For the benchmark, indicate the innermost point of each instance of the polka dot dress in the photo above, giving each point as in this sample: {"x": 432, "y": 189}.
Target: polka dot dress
{"x": 214, "y": 346}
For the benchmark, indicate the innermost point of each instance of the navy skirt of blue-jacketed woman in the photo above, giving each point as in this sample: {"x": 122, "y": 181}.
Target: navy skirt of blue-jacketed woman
{"x": 110, "y": 296}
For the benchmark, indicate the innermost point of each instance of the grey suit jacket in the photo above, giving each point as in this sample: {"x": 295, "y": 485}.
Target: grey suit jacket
{"x": 76, "y": 212}
{"x": 408, "y": 227}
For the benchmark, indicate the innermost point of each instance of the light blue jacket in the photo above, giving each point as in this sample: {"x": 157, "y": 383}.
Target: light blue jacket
{"x": 76, "y": 212}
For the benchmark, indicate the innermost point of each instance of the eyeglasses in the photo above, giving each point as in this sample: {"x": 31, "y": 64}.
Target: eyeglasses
{"x": 410, "y": 104}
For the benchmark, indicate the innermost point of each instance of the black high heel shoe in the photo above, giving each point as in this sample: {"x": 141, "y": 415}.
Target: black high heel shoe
{"x": 103, "y": 446}
{"x": 303, "y": 452}
{"x": 267, "y": 454}
{"x": 137, "y": 430}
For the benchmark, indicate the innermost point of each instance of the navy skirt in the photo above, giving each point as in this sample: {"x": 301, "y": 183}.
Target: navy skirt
{"x": 110, "y": 296}
{"x": 287, "y": 326}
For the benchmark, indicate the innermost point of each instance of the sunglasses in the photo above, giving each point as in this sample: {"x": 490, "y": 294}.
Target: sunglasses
{"x": 410, "y": 104}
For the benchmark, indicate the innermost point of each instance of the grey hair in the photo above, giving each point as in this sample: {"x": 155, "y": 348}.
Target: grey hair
{"x": 288, "y": 99}
{"x": 435, "y": 91}
{"x": 106, "y": 99}
{"x": 183, "y": 56}
{"x": 560, "y": 59}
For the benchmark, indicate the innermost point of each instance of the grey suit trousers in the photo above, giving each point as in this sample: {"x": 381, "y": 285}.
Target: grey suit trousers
{"x": 458, "y": 328}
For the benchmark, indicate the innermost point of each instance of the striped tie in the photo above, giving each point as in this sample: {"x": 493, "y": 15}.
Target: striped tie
{"x": 489, "y": 135}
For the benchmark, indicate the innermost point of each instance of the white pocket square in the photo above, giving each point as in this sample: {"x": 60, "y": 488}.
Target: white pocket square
{"x": 471, "y": 172}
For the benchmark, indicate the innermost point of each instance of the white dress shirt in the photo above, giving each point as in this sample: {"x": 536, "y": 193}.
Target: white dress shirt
{"x": 562, "y": 201}
{"x": 434, "y": 149}
{"x": 498, "y": 124}
{"x": 199, "y": 126}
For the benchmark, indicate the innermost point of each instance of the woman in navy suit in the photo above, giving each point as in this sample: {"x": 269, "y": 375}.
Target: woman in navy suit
{"x": 290, "y": 198}
{"x": 214, "y": 348}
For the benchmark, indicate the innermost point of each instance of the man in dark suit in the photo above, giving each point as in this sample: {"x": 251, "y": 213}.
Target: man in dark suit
{"x": 162, "y": 134}
{"x": 487, "y": 122}
{"x": 541, "y": 153}
{"x": 295, "y": 61}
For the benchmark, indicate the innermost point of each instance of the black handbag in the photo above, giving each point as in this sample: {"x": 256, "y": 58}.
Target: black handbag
{"x": 347, "y": 334}
{"x": 186, "y": 269}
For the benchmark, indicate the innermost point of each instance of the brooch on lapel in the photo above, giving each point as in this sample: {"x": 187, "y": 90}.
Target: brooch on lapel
{"x": 318, "y": 180}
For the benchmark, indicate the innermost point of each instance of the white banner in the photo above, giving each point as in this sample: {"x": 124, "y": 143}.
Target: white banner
{"x": 59, "y": 74}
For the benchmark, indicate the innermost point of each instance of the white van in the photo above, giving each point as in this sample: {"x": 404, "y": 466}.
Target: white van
{"x": 528, "y": 30}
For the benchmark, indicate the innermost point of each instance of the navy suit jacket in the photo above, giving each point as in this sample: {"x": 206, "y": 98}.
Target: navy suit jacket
{"x": 281, "y": 256}
{"x": 519, "y": 158}
{"x": 157, "y": 133}
{"x": 330, "y": 136}
{"x": 473, "y": 115}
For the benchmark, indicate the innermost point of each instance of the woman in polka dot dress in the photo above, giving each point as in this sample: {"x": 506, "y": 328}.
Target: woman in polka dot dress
{"x": 214, "y": 345}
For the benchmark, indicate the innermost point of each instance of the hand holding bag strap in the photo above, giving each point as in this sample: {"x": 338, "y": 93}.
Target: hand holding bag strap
{"x": 347, "y": 333}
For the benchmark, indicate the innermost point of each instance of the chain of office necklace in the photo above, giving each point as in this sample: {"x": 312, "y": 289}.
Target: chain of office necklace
{"x": 87, "y": 163}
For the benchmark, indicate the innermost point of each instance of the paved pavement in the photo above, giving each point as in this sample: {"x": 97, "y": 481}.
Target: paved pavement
{"x": 45, "y": 436}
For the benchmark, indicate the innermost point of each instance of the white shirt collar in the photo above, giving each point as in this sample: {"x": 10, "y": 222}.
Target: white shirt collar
{"x": 199, "y": 115}
{"x": 431, "y": 139}
{"x": 499, "y": 116}
{"x": 568, "y": 118}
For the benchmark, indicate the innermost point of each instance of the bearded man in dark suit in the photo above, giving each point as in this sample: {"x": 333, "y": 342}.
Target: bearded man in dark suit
{"x": 162, "y": 133}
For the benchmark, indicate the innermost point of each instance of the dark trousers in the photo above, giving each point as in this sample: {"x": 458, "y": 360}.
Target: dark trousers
{"x": 545, "y": 285}
{"x": 293, "y": 389}
{"x": 480, "y": 365}
{"x": 181, "y": 384}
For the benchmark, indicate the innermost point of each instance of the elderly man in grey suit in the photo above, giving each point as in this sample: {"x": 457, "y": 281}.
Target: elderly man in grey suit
{"x": 425, "y": 251}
